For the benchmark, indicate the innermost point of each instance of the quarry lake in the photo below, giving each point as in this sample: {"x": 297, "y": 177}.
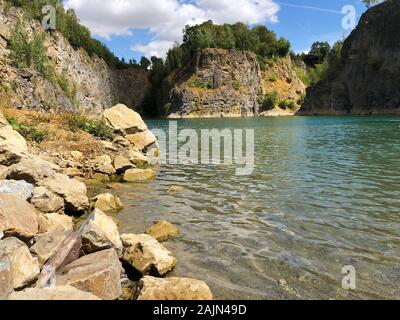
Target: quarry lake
{"x": 325, "y": 194}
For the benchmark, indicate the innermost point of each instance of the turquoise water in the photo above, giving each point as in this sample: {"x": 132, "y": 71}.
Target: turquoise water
{"x": 325, "y": 193}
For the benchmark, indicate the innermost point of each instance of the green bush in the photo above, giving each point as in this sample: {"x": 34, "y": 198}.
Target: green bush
{"x": 237, "y": 84}
{"x": 196, "y": 82}
{"x": 287, "y": 104}
{"x": 269, "y": 101}
{"x": 96, "y": 128}
{"x": 28, "y": 132}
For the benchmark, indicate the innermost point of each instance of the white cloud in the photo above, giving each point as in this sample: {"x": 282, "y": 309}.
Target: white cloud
{"x": 166, "y": 18}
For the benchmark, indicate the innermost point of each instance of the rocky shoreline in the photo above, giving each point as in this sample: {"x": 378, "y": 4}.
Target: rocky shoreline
{"x": 57, "y": 244}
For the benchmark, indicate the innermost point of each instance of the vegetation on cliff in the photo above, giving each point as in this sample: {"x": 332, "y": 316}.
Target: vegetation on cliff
{"x": 68, "y": 24}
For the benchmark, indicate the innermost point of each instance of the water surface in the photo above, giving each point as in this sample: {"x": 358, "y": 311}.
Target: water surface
{"x": 325, "y": 193}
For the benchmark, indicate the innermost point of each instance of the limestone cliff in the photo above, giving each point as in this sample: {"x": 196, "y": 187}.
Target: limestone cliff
{"x": 367, "y": 81}
{"x": 92, "y": 84}
{"x": 221, "y": 83}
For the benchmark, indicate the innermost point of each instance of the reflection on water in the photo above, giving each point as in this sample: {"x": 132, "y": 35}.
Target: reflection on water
{"x": 325, "y": 193}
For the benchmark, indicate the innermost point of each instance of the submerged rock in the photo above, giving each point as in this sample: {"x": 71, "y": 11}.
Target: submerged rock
{"x": 98, "y": 273}
{"x": 50, "y": 294}
{"x": 162, "y": 230}
{"x": 107, "y": 202}
{"x": 20, "y": 188}
{"x": 17, "y": 217}
{"x": 24, "y": 267}
{"x": 173, "y": 289}
{"x": 147, "y": 255}
{"x": 100, "y": 232}
{"x": 139, "y": 175}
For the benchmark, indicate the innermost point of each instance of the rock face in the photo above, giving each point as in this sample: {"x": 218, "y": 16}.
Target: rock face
{"x": 218, "y": 83}
{"x": 24, "y": 267}
{"x": 96, "y": 84}
{"x": 98, "y": 273}
{"x": 147, "y": 255}
{"x": 367, "y": 80}
{"x": 62, "y": 293}
{"x": 17, "y": 217}
{"x": 173, "y": 289}
{"x": 100, "y": 232}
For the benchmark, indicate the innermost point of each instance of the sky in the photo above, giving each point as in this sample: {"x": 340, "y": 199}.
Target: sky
{"x": 133, "y": 28}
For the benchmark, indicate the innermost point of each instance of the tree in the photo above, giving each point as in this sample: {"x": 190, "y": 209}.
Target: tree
{"x": 370, "y": 3}
{"x": 318, "y": 53}
{"x": 145, "y": 63}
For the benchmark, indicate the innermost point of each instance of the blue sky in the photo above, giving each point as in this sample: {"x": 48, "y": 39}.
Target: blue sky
{"x": 132, "y": 28}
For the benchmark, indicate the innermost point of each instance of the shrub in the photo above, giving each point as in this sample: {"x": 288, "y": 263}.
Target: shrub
{"x": 78, "y": 121}
{"x": 237, "y": 84}
{"x": 273, "y": 78}
{"x": 270, "y": 100}
{"x": 286, "y": 104}
{"x": 27, "y": 131}
{"x": 196, "y": 82}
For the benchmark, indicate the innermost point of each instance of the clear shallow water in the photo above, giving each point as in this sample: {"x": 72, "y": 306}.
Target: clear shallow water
{"x": 325, "y": 193}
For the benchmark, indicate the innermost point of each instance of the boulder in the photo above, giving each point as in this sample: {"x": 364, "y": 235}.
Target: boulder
{"x": 103, "y": 164}
{"x": 77, "y": 156}
{"x": 9, "y": 157}
{"x": 138, "y": 158}
{"x": 121, "y": 142}
{"x": 66, "y": 253}
{"x": 100, "y": 232}
{"x": 162, "y": 230}
{"x": 47, "y": 244}
{"x": 31, "y": 170}
{"x": 23, "y": 266}
{"x": 98, "y": 273}
{"x": 142, "y": 140}
{"x": 139, "y": 175}
{"x": 10, "y": 138}
{"x": 19, "y": 188}
{"x": 146, "y": 254}
{"x": 72, "y": 172}
{"x": 47, "y": 201}
{"x": 121, "y": 164}
{"x": 62, "y": 293}
{"x": 73, "y": 191}
{"x": 53, "y": 221}
{"x": 3, "y": 172}
{"x": 173, "y": 289}
{"x": 17, "y": 217}
{"x": 6, "y": 279}
{"x": 107, "y": 202}
{"x": 121, "y": 118}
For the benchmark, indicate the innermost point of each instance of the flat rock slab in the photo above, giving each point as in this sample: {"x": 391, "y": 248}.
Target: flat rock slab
{"x": 62, "y": 293}
{"x": 139, "y": 175}
{"x": 98, "y": 273}
{"x": 147, "y": 255}
{"x": 100, "y": 232}
{"x": 17, "y": 217}
{"x": 173, "y": 289}
{"x": 18, "y": 188}
{"x": 162, "y": 230}
{"x": 47, "y": 244}
{"x": 23, "y": 266}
